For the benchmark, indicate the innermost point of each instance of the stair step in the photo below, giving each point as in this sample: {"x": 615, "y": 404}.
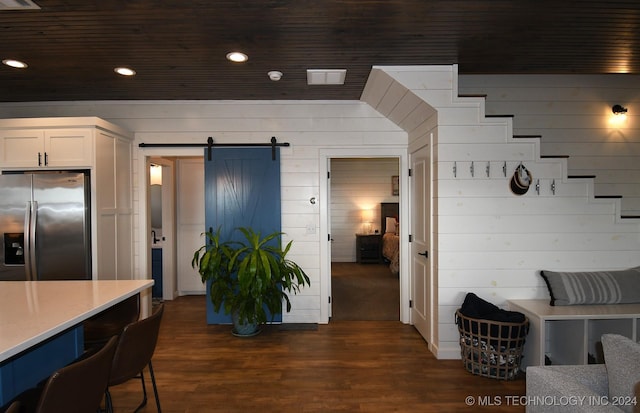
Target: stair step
{"x": 581, "y": 176}
{"x": 527, "y": 136}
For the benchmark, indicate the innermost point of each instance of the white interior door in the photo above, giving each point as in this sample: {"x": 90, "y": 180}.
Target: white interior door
{"x": 190, "y": 223}
{"x": 168, "y": 230}
{"x": 420, "y": 252}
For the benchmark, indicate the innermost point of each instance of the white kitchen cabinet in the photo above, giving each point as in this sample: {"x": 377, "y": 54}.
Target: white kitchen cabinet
{"x": 38, "y": 148}
{"x": 86, "y": 143}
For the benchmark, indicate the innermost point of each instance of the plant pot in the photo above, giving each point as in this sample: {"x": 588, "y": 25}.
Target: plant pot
{"x": 243, "y": 329}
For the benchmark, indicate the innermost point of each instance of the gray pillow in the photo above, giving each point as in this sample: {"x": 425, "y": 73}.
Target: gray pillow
{"x": 622, "y": 358}
{"x": 599, "y": 287}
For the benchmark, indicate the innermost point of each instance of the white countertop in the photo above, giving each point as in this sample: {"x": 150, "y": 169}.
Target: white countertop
{"x": 33, "y": 311}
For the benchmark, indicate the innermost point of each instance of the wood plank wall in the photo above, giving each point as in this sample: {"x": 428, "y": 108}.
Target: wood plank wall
{"x": 572, "y": 115}
{"x": 309, "y": 126}
{"x": 486, "y": 239}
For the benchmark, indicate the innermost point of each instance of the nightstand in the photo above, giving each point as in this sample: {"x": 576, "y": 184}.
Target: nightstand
{"x": 368, "y": 248}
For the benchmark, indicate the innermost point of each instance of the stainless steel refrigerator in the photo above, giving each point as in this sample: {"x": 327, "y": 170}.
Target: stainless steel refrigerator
{"x": 45, "y": 226}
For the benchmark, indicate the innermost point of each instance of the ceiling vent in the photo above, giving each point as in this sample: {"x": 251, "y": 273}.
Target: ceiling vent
{"x": 326, "y": 76}
{"x": 18, "y": 5}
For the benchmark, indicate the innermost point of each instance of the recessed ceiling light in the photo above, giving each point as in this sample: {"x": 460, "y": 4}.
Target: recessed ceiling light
{"x": 237, "y": 57}
{"x": 15, "y": 63}
{"x": 326, "y": 76}
{"x": 124, "y": 71}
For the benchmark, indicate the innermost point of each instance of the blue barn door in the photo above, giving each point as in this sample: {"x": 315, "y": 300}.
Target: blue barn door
{"x": 242, "y": 189}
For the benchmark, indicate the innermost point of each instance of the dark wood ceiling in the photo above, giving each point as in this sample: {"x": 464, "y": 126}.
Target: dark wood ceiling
{"x": 178, "y": 47}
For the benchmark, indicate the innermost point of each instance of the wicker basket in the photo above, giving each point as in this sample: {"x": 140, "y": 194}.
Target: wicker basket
{"x": 491, "y": 348}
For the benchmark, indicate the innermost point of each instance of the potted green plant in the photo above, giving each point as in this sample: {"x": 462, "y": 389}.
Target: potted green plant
{"x": 248, "y": 278}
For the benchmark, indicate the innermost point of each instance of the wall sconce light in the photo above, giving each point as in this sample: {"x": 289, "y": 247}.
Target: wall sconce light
{"x": 619, "y": 110}
{"x": 155, "y": 173}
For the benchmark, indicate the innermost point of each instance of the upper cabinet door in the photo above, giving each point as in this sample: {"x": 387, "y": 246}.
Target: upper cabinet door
{"x": 22, "y": 148}
{"x": 68, "y": 147}
{"x": 43, "y": 148}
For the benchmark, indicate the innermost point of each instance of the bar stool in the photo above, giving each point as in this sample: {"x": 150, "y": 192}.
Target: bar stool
{"x": 135, "y": 349}
{"x": 76, "y": 388}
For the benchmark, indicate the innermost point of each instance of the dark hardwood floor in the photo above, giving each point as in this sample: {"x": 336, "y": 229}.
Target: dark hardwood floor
{"x": 344, "y": 366}
{"x": 362, "y": 292}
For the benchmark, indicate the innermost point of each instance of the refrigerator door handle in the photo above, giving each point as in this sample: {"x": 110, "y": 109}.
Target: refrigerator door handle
{"x": 27, "y": 242}
{"x": 32, "y": 272}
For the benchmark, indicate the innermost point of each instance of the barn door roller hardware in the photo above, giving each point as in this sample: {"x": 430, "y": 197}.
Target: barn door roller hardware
{"x": 210, "y": 145}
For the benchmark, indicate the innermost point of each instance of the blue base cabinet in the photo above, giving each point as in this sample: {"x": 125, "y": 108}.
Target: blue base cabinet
{"x": 156, "y": 272}
{"x": 27, "y": 369}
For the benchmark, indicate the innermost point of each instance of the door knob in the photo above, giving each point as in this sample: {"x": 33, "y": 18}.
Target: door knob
{"x": 424, "y": 254}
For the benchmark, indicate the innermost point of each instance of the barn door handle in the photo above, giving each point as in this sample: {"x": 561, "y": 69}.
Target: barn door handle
{"x": 424, "y": 254}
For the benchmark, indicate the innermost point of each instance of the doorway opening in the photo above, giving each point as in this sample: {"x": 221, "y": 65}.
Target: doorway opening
{"x": 365, "y": 284}
{"x": 161, "y": 225}
{"x": 182, "y": 221}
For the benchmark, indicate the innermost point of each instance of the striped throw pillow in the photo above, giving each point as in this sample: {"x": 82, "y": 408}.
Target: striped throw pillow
{"x": 594, "y": 287}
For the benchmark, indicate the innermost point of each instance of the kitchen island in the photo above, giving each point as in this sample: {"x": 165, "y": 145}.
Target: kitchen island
{"x": 41, "y": 325}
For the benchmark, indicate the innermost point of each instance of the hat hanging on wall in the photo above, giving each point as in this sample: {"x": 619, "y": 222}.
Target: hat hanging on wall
{"x": 521, "y": 180}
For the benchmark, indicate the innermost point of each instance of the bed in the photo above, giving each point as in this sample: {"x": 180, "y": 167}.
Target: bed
{"x": 389, "y": 224}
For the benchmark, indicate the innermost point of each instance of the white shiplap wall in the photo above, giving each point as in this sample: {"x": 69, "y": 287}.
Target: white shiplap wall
{"x": 357, "y": 184}
{"x": 488, "y": 240}
{"x": 572, "y": 115}
{"x": 309, "y": 126}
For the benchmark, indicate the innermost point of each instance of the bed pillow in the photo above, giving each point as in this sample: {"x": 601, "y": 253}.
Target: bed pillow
{"x": 599, "y": 287}
{"x": 390, "y": 225}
